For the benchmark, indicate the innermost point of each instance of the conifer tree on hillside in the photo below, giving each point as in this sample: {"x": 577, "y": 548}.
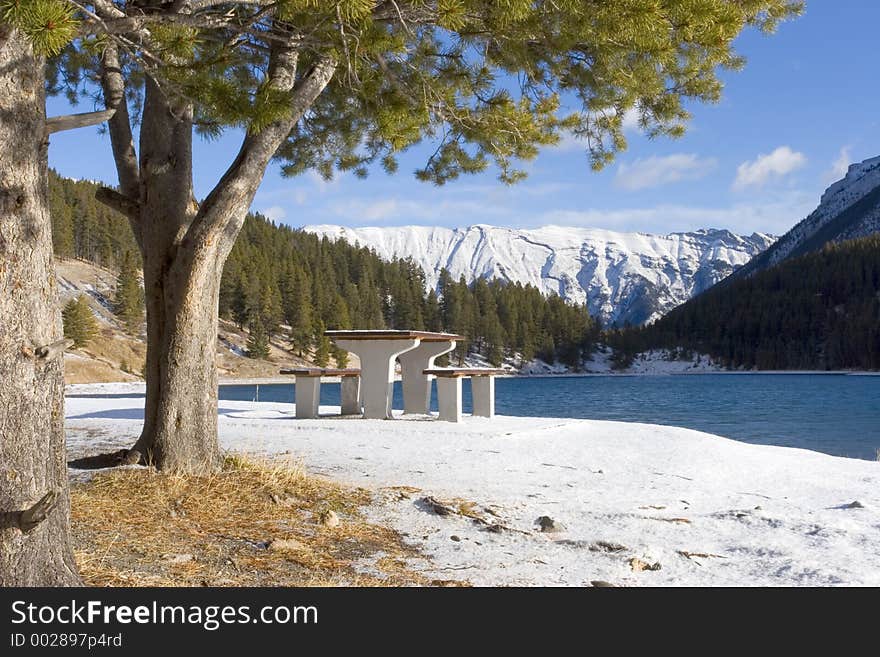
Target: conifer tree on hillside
{"x": 340, "y": 357}
{"x": 240, "y": 304}
{"x": 323, "y": 347}
{"x": 433, "y": 319}
{"x": 298, "y": 311}
{"x": 84, "y": 228}
{"x": 817, "y": 311}
{"x": 258, "y": 338}
{"x": 80, "y": 324}
{"x": 338, "y": 315}
{"x": 128, "y": 301}
{"x": 270, "y": 311}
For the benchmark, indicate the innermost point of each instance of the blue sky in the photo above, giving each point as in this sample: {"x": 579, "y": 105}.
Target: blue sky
{"x": 805, "y": 106}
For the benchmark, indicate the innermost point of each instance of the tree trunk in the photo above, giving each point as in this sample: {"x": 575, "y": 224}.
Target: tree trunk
{"x": 180, "y": 421}
{"x": 182, "y": 286}
{"x": 184, "y": 247}
{"x": 35, "y": 545}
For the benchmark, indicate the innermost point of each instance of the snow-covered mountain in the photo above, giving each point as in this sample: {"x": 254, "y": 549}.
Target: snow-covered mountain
{"x": 848, "y": 209}
{"x": 622, "y": 277}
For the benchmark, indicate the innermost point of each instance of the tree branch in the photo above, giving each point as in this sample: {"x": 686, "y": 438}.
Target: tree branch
{"x": 72, "y": 121}
{"x": 52, "y": 351}
{"x": 121, "y": 137}
{"x": 134, "y": 24}
{"x": 119, "y": 202}
{"x": 223, "y": 211}
{"x": 36, "y": 514}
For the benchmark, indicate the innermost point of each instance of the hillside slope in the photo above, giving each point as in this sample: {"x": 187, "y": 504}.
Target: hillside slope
{"x": 116, "y": 356}
{"x": 813, "y": 312}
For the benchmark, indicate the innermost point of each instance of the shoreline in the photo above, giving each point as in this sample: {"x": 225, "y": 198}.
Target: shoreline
{"x": 229, "y": 381}
{"x": 290, "y": 380}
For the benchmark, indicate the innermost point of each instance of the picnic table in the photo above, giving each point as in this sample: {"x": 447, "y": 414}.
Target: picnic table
{"x": 377, "y": 351}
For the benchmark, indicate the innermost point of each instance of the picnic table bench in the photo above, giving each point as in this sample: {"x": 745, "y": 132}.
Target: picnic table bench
{"x": 308, "y": 389}
{"x": 449, "y": 390}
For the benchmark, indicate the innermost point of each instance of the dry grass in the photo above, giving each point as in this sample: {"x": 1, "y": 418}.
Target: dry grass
{"x": 89, "y": 370}
{"x": 114, "y": 346}
{"x": 110, "y": 356}
{"x": 255, "y": 523}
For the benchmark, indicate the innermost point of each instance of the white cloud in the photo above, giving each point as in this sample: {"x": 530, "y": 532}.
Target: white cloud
{"x": 631, "y": 120}
{"x": 363, "y": 212}
{"x": 379, "y": 210}
{"x": 766, "y": 167}
{"x": 315, "y": 179}
{"x": 773, "y": 216}
{"x": 275, "y": 213}
{"x": 773, "y": 213}
{"x": 570, "y": 142}
{"x": 839, "y": 166}
{"x": 654, "y": 171}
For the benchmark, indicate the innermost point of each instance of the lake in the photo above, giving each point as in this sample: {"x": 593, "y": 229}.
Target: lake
{"x": 835, "y": 414}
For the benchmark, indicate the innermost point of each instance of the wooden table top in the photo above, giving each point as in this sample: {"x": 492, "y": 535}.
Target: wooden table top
{"x": 465, "y": 371}
{"x": 388, "y": 334}
{"x": 320, "y": 371}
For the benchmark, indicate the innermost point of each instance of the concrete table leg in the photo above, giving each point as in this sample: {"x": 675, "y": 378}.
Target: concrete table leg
{"x": 483, "y": 393}
{"x": 416, "y": 385}
{"x": 449, "y": 398}
{"x": 308, "y": 395}
{"x": 377, "y": 371}
{"x": 350, "y": 392}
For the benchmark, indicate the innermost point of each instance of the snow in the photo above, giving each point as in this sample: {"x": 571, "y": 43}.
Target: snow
{"x": 632, "y": 277}
{"x": 770, "y": 515}
{"x": 860, "y": 180}
{"x": 653, "y": 362}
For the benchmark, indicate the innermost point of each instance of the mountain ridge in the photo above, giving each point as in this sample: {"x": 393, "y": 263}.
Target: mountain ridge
{"x": 622, "y": 277}
{"x": 848, "y": 209}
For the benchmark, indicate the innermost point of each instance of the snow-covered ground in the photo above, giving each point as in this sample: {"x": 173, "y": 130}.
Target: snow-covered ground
{"x": 708, "y": 510}
{"x": 655, "y": 361}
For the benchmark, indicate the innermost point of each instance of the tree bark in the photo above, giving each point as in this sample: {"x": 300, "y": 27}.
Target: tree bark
{"x": 35, "y": 547}
{"x": 182, "y": 286}
{"x": 180, "y": 420}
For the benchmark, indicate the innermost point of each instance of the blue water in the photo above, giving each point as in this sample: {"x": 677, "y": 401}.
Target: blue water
{"x": 835, "y": 414}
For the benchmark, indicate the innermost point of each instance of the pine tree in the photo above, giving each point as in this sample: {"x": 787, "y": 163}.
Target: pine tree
{"x": 270, "y": 308}
{"x": 258, "y": 338}
{"x": 299, "y": 315}
{"x": 240, "y": 309}
{"x": 35, "y": 544}
{"x": 340, "y": 357}
{"x": 128, "y": 302}
{"x": 433, "y": 318}
{"x": 494, "y": 342}
{"x": 340, "y": 318}
{"x": 323, "y": 348}
{"x": 80, "y": 324}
